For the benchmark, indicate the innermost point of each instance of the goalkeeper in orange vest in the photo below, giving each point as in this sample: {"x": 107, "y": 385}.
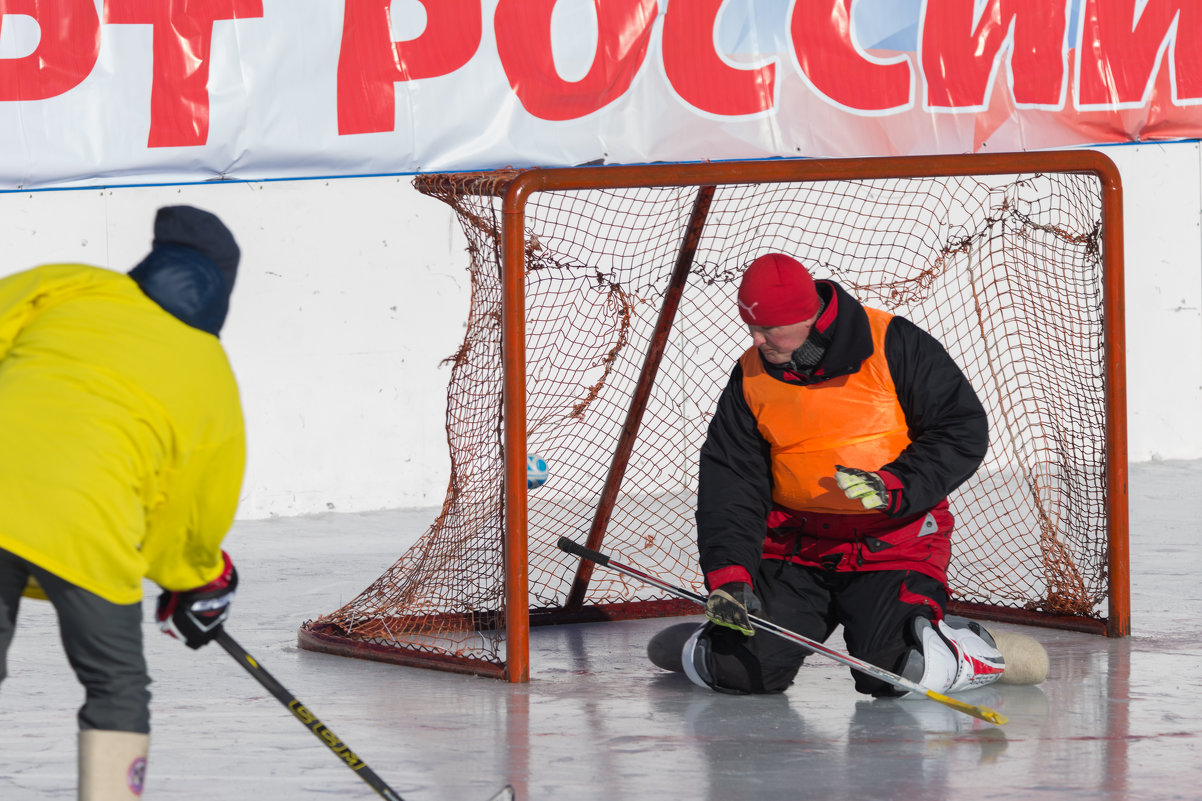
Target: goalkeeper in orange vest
{"x": 121, "y": 459}
{"x": 822, "y": 499}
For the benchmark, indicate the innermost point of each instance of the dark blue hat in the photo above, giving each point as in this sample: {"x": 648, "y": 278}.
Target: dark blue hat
{"x": 191, "y": 267}
{"x": 200, "y": 230}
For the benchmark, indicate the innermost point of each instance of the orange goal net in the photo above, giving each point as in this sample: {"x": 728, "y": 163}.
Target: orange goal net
{"x": 603, "y": 326}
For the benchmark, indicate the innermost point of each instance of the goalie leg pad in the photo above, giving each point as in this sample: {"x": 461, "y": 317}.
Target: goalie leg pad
{"x": 953, "y": 654}
{"x": 932, "y": 664}
{"x": 979, "y": 661}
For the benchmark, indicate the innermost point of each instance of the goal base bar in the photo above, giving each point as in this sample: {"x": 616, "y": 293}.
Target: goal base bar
{"x": 326, "y": 638}
{"x": 1024, "y": 617}
{"x": 600, "y": 613}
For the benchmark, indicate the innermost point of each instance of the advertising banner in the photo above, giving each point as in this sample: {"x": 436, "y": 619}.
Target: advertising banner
{"x": 121, "y": 92}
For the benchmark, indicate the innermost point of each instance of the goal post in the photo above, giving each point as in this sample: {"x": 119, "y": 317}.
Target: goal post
{"x": 603, "y": 326}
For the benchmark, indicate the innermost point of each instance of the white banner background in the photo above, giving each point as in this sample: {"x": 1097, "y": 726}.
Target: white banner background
{"x": 273, "y": 89}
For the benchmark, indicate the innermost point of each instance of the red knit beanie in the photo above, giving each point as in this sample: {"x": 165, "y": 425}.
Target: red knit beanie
{"x": 777, "y": 290}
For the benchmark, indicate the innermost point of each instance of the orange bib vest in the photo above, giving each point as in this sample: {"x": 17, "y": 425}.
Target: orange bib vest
{"x": 853, "y": 420}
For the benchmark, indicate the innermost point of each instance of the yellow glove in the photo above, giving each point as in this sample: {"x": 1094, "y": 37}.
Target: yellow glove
{"x": 860, "y": 485}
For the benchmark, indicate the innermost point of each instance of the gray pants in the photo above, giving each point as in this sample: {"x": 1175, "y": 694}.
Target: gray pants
{"x": 103, "y": 642}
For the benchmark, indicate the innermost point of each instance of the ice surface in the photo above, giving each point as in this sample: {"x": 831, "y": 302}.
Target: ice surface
{"x": 1116, "y": 720}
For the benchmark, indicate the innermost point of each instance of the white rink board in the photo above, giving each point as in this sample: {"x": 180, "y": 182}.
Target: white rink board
{"x": 354, "y": 291}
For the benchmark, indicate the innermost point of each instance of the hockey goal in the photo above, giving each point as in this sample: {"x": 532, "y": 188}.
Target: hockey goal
{"x": 603, "y": 326}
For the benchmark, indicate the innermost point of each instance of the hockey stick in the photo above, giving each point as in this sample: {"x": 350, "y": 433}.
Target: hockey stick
{"x": 314, "y": 725}
{"x": 982, "y": 712}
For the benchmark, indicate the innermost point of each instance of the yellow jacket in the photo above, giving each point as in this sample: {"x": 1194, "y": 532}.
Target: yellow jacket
{"x": 122, "y": 444}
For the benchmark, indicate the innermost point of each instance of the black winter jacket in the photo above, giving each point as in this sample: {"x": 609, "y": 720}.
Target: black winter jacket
{"x": 947, "y": 424}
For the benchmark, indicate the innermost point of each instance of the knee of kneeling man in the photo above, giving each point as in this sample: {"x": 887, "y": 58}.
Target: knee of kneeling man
{"x": 730, "y": 667}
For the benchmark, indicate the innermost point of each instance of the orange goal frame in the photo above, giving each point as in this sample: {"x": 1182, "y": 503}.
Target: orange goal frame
{"x": 369, "y": 626}
{"x": 517, "y": 613}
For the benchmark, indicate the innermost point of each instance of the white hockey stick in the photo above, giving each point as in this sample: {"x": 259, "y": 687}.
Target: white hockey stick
{"x": 982, "y": 712}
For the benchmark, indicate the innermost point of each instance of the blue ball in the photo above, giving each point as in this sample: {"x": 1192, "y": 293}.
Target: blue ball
{"x": 536, "y": 471}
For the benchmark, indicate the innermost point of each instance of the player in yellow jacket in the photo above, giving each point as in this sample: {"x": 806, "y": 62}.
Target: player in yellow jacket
{"x": 122, "y": 451}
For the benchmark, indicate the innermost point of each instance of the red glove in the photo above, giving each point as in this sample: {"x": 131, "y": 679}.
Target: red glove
{"x": 195, "y": 616}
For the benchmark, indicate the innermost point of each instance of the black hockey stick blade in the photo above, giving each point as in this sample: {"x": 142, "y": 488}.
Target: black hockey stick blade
{"x": 981, "y": 712}
{"x": 313, "y": 724}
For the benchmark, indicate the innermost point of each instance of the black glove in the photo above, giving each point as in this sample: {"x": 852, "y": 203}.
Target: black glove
{"x": 868, "y": 488}
{"x": 730, "y": 605}
{"x": 195, "y": 616}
